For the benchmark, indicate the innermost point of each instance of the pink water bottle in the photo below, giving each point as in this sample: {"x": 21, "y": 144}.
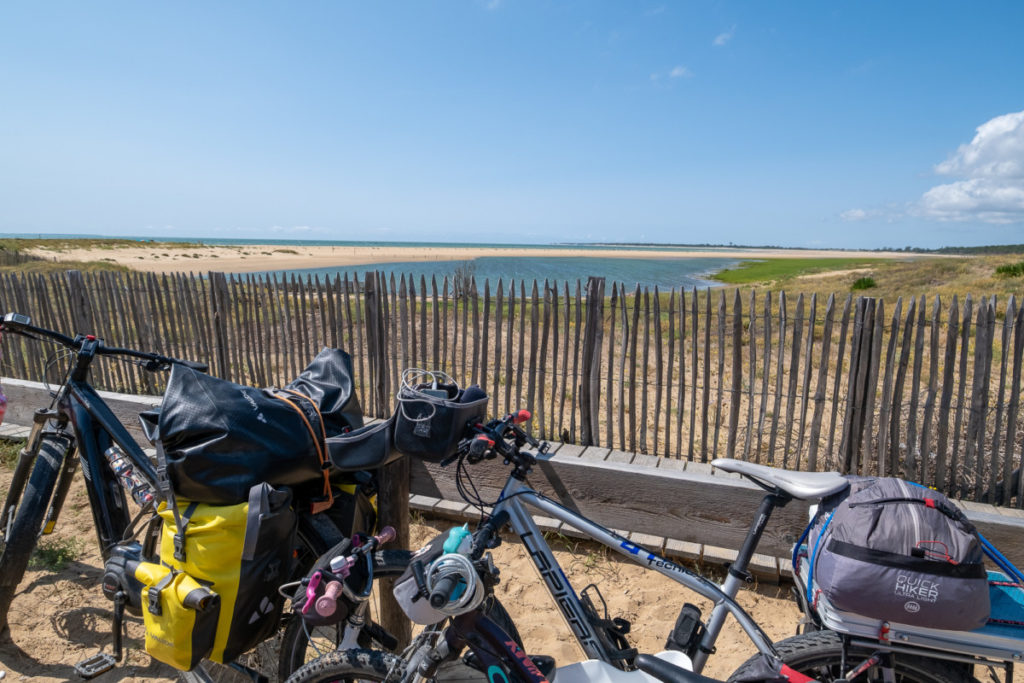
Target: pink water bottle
{"x": 3, "y": 405}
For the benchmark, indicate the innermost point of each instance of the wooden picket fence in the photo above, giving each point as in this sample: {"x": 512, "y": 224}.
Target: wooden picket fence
{"x": 930, "y": 391}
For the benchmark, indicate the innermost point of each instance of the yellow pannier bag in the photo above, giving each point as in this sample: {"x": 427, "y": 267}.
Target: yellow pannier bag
{"x": 179, "y": 613}
{"x": 243, "y": 553}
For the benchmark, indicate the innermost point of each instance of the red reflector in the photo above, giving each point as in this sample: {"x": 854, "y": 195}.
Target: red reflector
{"x": 91, "y": 337}
{"x": 795, "y": 676}
{"x": 929, "y": 502}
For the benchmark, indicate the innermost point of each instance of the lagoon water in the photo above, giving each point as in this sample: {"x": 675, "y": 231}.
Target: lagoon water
{"x": 666, "y": 273}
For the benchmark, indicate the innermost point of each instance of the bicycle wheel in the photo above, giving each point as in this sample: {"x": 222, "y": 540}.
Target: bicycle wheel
{"x": 351, "y": 665}
{"x": 299, "y": 647}
{"x": 27, "y": 519}
{"x": 819, "y": 654}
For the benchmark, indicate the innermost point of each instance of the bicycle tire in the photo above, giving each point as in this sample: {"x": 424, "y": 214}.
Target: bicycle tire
{"x": 818, "y": 654}
{"x": 294, "y": 649}
{"x": 351, "y": 665}
{"x": 28, "y": 519}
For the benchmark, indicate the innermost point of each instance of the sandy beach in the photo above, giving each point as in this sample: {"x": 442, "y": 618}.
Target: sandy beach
{"x": 169, "y": 258}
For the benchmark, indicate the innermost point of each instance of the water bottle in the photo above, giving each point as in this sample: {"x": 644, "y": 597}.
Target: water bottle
{"x": 131, "y": 482}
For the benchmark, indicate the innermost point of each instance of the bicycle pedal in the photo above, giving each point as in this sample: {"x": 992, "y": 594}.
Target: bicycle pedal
{"x": 99, "y": 663}
{"x": 688, "y": 631}
{"x": 545, "y": 663}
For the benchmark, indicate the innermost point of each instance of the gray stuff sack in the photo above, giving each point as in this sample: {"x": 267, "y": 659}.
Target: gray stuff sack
{"x": 889, "y": 549}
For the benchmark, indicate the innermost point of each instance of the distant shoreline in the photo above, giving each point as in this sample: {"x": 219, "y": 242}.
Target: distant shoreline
{"x": 247, "y": 258}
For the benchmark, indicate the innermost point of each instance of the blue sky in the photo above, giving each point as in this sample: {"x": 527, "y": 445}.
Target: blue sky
{"x": 846, "y": 124}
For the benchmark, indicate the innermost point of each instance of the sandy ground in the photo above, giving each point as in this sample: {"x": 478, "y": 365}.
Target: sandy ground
{"x": 61, "y": 617}
{"x": 251, "y": 258}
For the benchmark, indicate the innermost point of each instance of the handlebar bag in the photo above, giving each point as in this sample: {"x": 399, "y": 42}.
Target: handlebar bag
{"x": 243, "y": 553}
{"x": 432, "y": 419}
{"x": 893, "y": 550}
{"x": 222, "y": 438}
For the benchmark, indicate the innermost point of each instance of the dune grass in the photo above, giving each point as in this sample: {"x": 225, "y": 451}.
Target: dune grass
{"x": 773, "y": 270}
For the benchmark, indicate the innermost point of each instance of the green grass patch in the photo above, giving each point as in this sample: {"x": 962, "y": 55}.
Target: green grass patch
{"x": 1011, "y": 270}
{"x": 784, "y": 268}
{"x": 864, "y": 283}
{"x": 56, "y": 554}
{"x": 9, "y": 452}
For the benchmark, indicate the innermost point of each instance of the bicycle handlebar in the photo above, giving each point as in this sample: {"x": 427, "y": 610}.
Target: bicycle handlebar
{"x": 22, "y": 324}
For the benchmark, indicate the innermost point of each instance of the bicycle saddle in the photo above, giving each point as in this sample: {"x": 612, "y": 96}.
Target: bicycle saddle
{"x": 800, "y": 485}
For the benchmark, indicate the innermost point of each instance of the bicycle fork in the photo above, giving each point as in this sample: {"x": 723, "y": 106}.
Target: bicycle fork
{"x": 23, "y": 470}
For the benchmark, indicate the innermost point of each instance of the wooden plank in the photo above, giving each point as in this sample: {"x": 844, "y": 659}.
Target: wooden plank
{"x": 423, "y": 362}
{"x": 820, "y": 387}
{"x": 1004, "y": 351}
{"x": 521, "y": 363}
{"x": 464, "y": 301}
{"x": 765, "y": 371}
{"x": 946, "y": 399}
{"x": 1011, "y": 422}
{"x": 644, "y": 365}
{"x": 567, "y": 302}
{"x": 896, "y": 418}
{"x": 483, "y": 359}
{"x": 976, "y": 414}
{"x": 737, "y": 374}
{"x": 965, "y": 337}
{"x": 929, "y": 402}
{"x": 499, "y": 318}
{"x": 872, "y": 382}
{"x": 720, "y": 377}
{"x": 437, "y": 314}
{"x": 403, "y": 322}
{"x": 840, "y": 359}
{"x": 848, "y": 448}
{"x": 609, "y": 439}
{"x": 805, "y": 394}
{"x": 693, "y": 374}
{"x": 779, "y": 373}
{"x": 911, "y": 462}
{"x": 632, "y": 369}
{"x": 445, "y": 316}
{"x": 624, "y": 352}
{"x": 670, "y": 369}
{"x": 659, "y": 368}
{"x": 706, "y": 389}
{"x": 531, "y": 384}
{"x": 542, "y": 381}
{"x": 508, "y": 346}
{"x": 794, "y": 376}
{"x": 886, "y": 401}
{"x": 986, "y": 370}
{"x": 681, "y": 391}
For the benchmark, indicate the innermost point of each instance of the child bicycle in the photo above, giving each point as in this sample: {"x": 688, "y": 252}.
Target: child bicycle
{"x": 79, "y": 427}
{"x": 445, "y": 581}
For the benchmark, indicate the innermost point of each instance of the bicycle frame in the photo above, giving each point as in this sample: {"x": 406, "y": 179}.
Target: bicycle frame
{"x": 514, "y": 499}
{"x": 94, "y": 428}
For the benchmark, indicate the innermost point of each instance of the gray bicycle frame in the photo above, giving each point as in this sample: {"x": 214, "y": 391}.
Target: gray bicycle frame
{"x": 516, "y": 495}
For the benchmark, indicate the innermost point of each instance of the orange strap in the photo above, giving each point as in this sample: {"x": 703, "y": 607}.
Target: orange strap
{"x": 321, "y": 451}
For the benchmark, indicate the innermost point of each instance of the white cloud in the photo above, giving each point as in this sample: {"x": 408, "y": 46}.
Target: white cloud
{"x": 853, "y": 215}
{"x": 680, "y": 72}
{"x": 991, "y": 172}
{"x": 722, "y": 38}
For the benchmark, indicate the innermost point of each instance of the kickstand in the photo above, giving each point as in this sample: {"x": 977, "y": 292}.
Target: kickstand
{"x": 102, "y": 662}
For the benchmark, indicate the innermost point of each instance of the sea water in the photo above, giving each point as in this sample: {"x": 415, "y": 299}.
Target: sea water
{"x": 665, "y": 273}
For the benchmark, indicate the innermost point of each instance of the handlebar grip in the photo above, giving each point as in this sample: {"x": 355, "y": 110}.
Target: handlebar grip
{"x": 443, "y": 590}
{"x": 386, "y": 535}
{"x": 327, "y": 603}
